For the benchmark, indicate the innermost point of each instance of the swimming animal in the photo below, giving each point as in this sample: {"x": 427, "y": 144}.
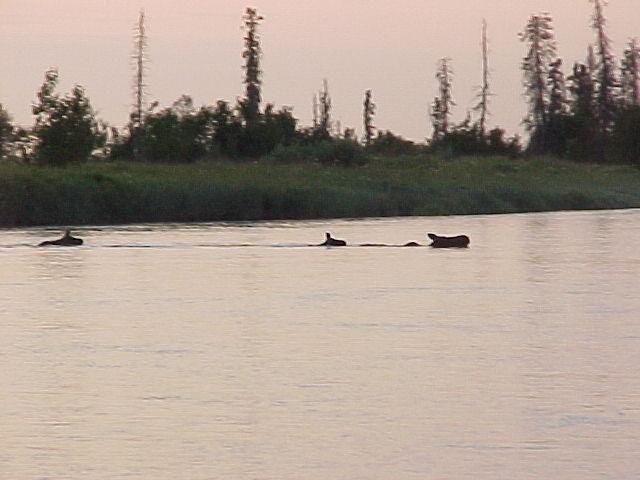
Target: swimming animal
{"x": 461, "y": 241}
{"x": 66, "y": 241}
{"x": 332, "y": 242}
{"x": 410, "y": 244}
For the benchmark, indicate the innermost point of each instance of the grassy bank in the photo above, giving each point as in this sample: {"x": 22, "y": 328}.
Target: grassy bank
{"x": 130, "y": 193}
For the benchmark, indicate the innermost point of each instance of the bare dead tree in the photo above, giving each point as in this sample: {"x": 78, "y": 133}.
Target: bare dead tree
{"x": 483, "y": 96}
{"x": 140, "y": 59}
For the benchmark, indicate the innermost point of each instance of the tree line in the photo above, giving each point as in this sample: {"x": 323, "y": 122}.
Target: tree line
{"x": 591, "y": 115}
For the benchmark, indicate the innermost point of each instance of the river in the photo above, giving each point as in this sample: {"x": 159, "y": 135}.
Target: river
{"x": 237, "y": 351}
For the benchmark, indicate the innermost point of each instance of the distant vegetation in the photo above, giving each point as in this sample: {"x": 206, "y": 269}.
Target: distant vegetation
{"x": 593, "y": 116}
{"x": 129, "y": 192}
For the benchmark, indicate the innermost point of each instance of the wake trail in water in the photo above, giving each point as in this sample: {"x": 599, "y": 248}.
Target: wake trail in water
{"x": 88, "y": 246}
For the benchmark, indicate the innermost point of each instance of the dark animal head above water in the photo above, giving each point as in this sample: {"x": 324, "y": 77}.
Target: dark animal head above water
{"x": 66, "y": 241}
{"x": 460, "y": 241}
{"x": 333, "y": 242}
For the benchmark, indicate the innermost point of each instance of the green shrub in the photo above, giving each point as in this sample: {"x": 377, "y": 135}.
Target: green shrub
{"x": 386, "y": 143}
{"x": 66, "y": 129}
{"x": 342, "y": 152}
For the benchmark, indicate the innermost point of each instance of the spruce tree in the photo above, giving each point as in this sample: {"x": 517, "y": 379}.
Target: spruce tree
{"x": 441, "y": 107}
{"x": 541, "y": 53}
{"x": 582, "y": 88}
{"x": 324, "y": 107}
{"x": 6, "y": 132}
{"x": 583, "y": 109}
{"x": 592, "y": 63}
{"x": 315, "y": 114}
{"x": 557, "y": 89}
{"x": 604, "y": 73}
{"x": 625, "y": 134}
{"x": 436, "y": 121}
{"x": 250, "y": 106}
{"x": 368, "y": 113}
{"x": 630, "y": 75}
{"x": 557, "y": 125}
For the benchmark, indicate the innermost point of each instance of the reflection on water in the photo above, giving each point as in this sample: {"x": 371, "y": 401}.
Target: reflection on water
{"x": 152, "y": 352}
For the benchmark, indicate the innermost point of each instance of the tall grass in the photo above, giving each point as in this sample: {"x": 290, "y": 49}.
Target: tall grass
{"x": 112, "y": 193}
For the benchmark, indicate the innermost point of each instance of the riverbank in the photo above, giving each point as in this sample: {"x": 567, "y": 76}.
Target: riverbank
{"x": 116, "y": 193}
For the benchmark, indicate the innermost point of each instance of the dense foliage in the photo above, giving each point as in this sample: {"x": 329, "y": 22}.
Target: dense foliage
{"x": 65, "y": 130}
{"x": 6, "y": 132}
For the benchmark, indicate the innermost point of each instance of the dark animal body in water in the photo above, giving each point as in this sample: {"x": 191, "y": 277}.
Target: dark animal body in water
{"x": 461, "y": 241}
{"x": 66, "y": 241}
{"x": 332, "y": 242}
{"x": 410, "y": 244}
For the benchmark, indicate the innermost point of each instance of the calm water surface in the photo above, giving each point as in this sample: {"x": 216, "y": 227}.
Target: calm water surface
{"x": 237, "y": 352}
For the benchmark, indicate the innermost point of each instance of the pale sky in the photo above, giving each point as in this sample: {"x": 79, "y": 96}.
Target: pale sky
{"x": 195, "y": 46}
